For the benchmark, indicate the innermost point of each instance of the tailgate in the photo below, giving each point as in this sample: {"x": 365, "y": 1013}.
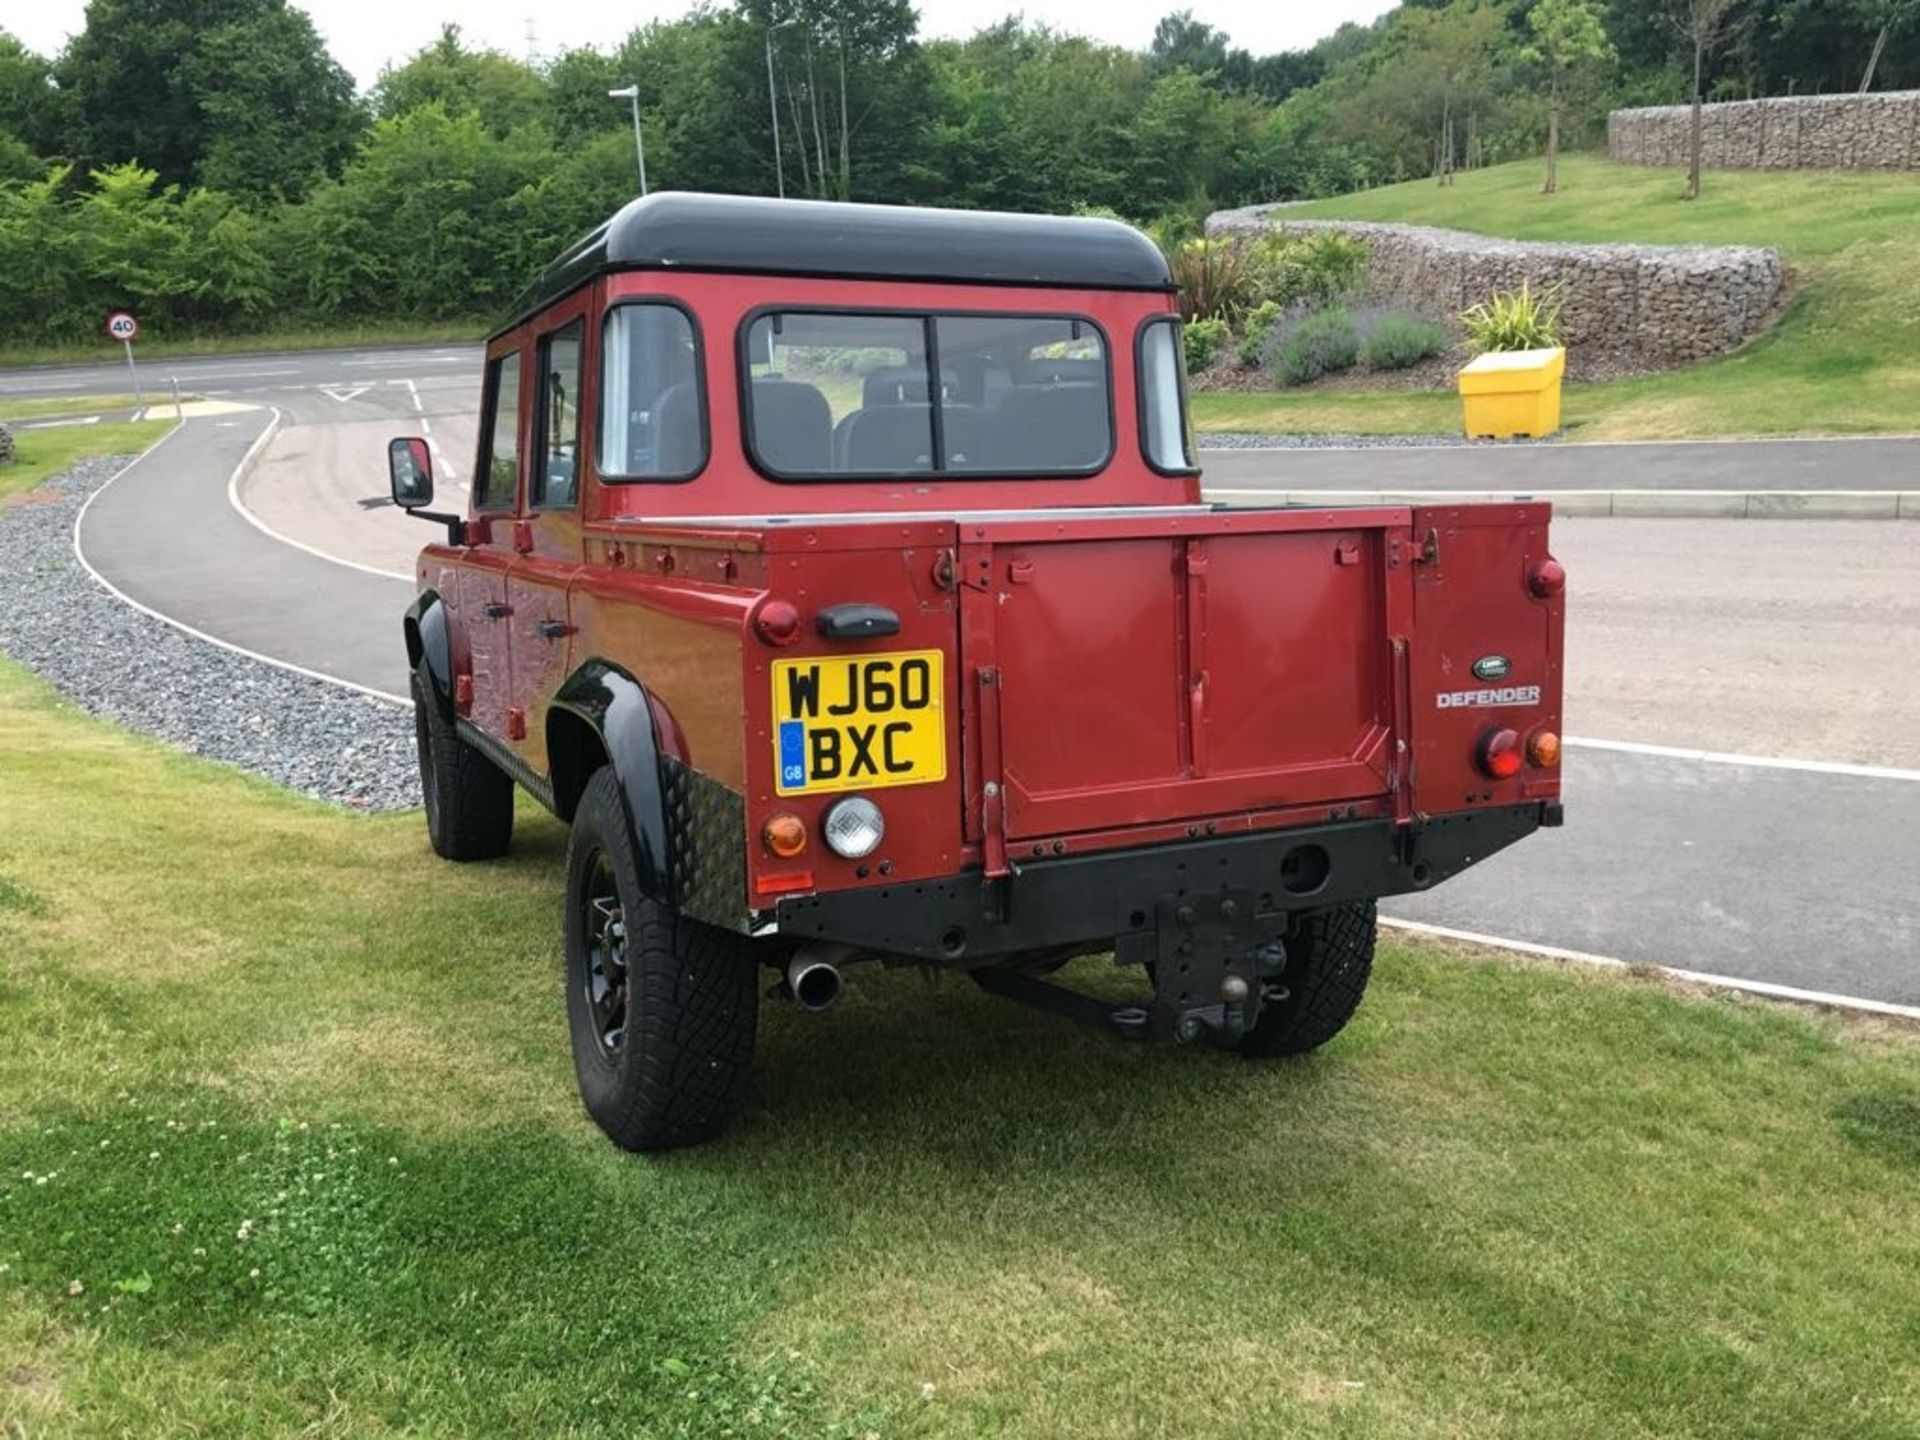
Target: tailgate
{"x": 1125, "y": 671}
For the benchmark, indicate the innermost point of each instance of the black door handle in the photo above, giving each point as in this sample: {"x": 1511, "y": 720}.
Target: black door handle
{"x": 554, "y": 629}
{"x": 856, "y": 622}
{"x": 494, "y": 610}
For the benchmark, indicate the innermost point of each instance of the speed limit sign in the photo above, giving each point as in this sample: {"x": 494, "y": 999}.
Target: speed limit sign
{"x": 122, "y": 326}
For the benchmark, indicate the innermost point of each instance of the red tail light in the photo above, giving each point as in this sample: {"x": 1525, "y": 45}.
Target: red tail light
{"x": 1500, "y": 754}
{"x": 1547, "y": 579}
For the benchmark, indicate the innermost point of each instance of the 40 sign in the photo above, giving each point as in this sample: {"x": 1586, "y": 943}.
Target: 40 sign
{"x": 123, "y": 327}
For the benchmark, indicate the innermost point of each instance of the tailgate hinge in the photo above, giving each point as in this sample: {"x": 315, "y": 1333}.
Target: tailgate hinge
{"x": 1427, "y": 552}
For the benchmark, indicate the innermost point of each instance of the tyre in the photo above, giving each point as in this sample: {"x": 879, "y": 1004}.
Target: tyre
{"x": 1329, "y": 957}
{"x": 661, "y": 1008}
{"x": 469, "y": 799}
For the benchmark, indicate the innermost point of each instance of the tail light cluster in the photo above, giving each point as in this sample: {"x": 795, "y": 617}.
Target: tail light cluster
{"x": 1500, "y": 753}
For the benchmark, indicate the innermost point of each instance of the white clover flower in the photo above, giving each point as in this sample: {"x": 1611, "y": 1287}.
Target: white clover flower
{"x": 74, "y": 1287}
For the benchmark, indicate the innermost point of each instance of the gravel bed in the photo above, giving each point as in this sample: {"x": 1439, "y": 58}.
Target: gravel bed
{"x": 320, "y": 739}
{"x": 1226, "y": 441}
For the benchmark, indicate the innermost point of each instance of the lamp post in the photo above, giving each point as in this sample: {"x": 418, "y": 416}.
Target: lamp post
{"x": 632, "y": 93}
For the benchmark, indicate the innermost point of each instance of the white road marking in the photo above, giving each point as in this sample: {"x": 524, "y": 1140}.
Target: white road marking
{"x": 344, "y": 393}
{"x": 414, "y": 391}
{"x": 185, "y": 629}
{"x": 1696, "y": 977}
{"x": 426, "y": 426}
{"x": 239, "y": 505}
{"x": 392, "y": 360}
{"x": 1758, "y": 762}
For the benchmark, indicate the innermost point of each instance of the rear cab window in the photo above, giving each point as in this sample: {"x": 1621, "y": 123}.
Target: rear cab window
{"x": 556, "y": 475}
{"x": 653, "y": 410}
{"x": 841, "y": 395}
{"x": 496, "y": 480}
{"x": 1166, "y": 431}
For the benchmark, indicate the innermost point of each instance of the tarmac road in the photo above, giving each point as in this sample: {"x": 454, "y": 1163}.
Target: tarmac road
{"x": 1796, "y": 639}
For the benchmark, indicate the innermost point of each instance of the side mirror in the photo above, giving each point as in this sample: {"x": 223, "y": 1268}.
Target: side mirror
{"x": 410, "y": 472}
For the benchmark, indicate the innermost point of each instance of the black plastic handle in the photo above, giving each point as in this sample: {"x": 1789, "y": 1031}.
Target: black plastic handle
{"x": 856, "y": 622}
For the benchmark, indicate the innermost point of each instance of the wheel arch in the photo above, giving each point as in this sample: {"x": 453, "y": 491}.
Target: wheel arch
{"x": 600, "y": 716}
{"x": 428, "y": 638}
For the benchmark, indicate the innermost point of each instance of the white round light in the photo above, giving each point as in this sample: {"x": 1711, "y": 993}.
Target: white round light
{"x": 853, "y": 827}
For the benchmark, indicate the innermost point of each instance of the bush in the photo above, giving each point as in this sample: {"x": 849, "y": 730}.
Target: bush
{"x": 1254, "y": 331}
{"x": 1203, "y": 340}
{"x": 1213, "y": 279}
{"x": 1515, "y": 320}
{"x": 1399, "y": 338}
{"x": 1310, "y": 267}
{"x": 1321, "y": 342}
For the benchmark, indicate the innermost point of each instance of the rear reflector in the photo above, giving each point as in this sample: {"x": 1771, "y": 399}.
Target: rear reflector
{"x": 783, "y": 884}
{"x": 777, "y": 622}
{"x": 1499, "y": 754}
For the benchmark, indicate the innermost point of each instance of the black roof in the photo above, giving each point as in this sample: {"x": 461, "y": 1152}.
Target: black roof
{"x": 751, "y": 234}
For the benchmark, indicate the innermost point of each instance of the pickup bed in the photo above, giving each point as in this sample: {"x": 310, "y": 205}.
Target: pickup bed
{"x": 945, "y": 663}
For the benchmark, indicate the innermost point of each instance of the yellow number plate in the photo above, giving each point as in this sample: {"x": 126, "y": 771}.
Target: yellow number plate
{"x": 854, "y": 722}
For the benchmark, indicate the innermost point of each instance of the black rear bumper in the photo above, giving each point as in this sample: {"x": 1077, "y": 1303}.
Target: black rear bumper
{"x": 1075, "y": 899}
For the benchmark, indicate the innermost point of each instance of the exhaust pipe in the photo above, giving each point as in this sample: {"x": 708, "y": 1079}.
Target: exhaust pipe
{"x": 813, "y": 980}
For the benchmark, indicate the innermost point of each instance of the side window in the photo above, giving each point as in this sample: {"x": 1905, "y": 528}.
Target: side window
{"x": 499, "y": 468}
{"x": 1164, "y": 432}
{"x": 653, "y": 411}
{"x": 556, "y": 477}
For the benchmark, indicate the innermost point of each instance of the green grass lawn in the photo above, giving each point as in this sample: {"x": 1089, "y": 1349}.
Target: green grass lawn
{"x": 52, "y": 407}
{"x": 289, "y": 1143}
{"x": 156, "y": 345}
{"x": 1845, "y": 359}
{"x": 41, "y": 453}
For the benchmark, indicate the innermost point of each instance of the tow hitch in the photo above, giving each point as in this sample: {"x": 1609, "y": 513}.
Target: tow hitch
{"x": 1214, "y": 959}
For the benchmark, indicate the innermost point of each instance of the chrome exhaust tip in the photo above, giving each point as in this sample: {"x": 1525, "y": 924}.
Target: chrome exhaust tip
{"x": 813, "y": 983}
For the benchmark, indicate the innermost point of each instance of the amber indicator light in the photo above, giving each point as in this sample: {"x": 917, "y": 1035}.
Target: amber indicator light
{"x": 784, "y": 835}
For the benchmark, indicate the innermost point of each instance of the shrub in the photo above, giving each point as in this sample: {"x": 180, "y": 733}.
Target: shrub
{"x": 1321, "y": 342}
{"x": 1204, "y": 339}
{"x": 1515, "y": 320}
{"x": 1255, "y": 329}
{"x": 1399, "y": 338}
{"x": 1316, "y": 266}
{"x": 1213, "y": 279}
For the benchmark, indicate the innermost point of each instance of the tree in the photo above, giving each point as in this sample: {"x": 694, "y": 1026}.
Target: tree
{"x": 1568, "y": 35}
{"x": 502, "y": 91}
{"x": 27, "y": 97}
{"x": 1701, "y": 24}
{"x": 176, "y": 84}
{"x": 1890, "y": 16}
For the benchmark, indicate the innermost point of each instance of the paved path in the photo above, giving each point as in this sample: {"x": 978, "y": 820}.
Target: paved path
{"x": 164, "y": 535}
{"x": 1799, "y": 641}
{"x": 1743, "y": 465}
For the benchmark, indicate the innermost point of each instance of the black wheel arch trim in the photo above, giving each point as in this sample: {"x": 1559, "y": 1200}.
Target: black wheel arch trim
{"x": 613, "y": 704}
{"x": 428, "y": 639}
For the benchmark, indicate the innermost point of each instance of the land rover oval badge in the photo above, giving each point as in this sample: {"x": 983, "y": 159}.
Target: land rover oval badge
{"x": 1492, "y": 667}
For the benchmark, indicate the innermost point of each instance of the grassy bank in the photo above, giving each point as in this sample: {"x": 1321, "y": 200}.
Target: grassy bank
{"x": 1845, "y": 359}
{"x": 39, "y": 453}
{"x": 14, "y": 408}
{"x": 288, "y": 1142}
{"x": 157, "y": 346}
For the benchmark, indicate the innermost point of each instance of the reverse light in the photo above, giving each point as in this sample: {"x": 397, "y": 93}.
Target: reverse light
{"x": 1547, "y": 579}
{"x": 1543, "y": 749}
{"x": 854, "y": 828}
{"x": 1499, "y": 754}
{"x": 777, "y": 622}
{"x": 784, "y": 835}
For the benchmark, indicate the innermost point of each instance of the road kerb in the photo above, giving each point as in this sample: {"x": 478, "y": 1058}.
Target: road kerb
{"x": 1623, "y": 504}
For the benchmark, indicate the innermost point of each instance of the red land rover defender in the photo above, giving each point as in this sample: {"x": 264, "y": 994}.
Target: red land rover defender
{"x": 840, "y": 574}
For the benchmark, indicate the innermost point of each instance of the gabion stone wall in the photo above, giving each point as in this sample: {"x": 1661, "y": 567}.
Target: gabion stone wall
{"x": 1650, "y": 305}
{"x": 1797, "y": 132}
